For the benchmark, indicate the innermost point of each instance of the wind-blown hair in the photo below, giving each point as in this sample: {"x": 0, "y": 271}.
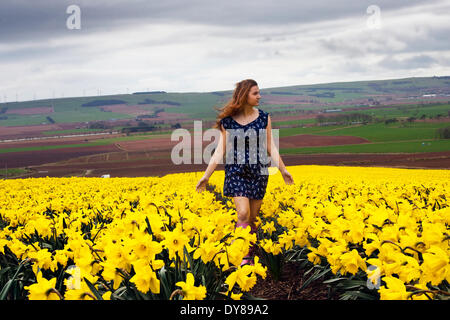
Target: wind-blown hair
{"x": 238, "y": 100}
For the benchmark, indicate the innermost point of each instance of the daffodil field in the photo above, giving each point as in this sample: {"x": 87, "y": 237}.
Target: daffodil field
{"x": 367, "y": 233}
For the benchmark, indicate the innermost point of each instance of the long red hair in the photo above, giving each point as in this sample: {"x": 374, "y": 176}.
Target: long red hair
{"x": 238, "y": 100}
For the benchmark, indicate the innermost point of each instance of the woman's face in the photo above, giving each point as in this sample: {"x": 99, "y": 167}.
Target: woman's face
{"x": 253, "y": 96}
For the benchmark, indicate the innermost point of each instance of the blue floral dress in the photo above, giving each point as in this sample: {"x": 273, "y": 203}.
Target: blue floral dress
{"x": 246, "y": 178}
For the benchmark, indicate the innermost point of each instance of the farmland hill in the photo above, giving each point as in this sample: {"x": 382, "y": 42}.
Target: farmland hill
{"x": 394, "y": 123}
{"x": 167, "y": 108}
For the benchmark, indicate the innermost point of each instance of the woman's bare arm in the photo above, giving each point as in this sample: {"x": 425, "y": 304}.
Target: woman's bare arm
{"x": 272, "y": 149}
{"x": 218, "y": 153}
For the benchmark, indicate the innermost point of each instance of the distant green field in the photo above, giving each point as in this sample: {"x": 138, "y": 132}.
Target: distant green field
{"x": 11, "y": 172}
{"x": 43, "y": 148}
{"x": 343, "y": 91}
{"x": 394, "y": 137}
{"x": 62, "y": 132}
{"x": 99, "y": 142}
{"x": 200, "y": 105}
{"x": 373, "y": 132}
{"x": 195, "y": 105}
{"x": 292, "y": 122}
{"x": 405, "y": 111}
{"x": 384, "y": 138}
{"x": 385, "y": 147}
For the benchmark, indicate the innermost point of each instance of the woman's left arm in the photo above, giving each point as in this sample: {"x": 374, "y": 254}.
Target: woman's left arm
{"x": 272, "y": 149}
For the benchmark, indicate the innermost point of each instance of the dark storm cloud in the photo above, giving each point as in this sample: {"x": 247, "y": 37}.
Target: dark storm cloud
{"x": 46, "y": 19}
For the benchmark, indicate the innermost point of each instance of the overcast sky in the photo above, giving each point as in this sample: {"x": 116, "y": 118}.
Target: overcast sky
{"x": 209, "y": 45}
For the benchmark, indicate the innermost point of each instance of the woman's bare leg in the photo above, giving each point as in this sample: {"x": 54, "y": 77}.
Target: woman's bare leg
{"x": 243, "y": 218}
{"x": 255, "y": 206}
{"x": 242, "y": 209}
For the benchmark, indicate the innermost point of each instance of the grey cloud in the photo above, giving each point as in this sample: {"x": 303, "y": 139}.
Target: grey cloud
{"x": 352, "y": 66}
{"x": 401, "y": 40}
{"x": 342, "y": 46}
{"x": 24, "y": 20}
{"x": 418, "y": 61}
{"x": 35, "y": 44}
{"x": 34, "y": 52}
{"x": 433, "y": 40}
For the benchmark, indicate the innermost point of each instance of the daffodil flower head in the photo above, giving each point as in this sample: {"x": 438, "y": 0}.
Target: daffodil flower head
{"x": 190, "y": 291}
{"x": 43, "y": 289}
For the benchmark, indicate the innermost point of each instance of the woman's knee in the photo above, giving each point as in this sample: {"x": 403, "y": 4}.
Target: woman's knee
{"x": 243, "y": 214}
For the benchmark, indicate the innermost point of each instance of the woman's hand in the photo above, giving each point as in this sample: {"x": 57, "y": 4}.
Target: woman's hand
{"x": 201, "y": 185}
{"x": 287, "y": 177}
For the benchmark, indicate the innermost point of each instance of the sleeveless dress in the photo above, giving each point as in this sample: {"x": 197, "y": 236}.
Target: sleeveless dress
{"x": 246, "y": 170}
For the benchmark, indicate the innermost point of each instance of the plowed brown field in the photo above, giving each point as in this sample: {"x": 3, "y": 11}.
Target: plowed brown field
{"x": 152, "y": 157}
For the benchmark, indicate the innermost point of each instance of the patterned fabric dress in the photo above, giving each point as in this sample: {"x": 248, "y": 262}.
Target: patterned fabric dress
{"x": 246, "y": 179}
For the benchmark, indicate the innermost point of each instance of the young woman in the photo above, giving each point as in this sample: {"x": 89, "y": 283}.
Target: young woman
{"x": 246, "y": 183}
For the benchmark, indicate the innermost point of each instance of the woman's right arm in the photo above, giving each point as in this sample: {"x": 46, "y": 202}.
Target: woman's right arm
{"x": 218, "y": 153}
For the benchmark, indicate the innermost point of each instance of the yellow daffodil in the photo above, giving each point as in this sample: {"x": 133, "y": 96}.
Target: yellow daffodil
{"x": 83, "y": 292}
{"x": 352, "y": 262}
{"x": 243, "y": 277}
{"x": 393, "y": 290}
{"x": 145, "y": 278}
{"x": 395, "y": 219}
{"x": 190, "y": 291}
{"x": 269, "y": 227}
{"x": 174, "y": 241}
{"x": 207, "y": 250}
{"x": 43, "y": 289}
{"x": 436, "y": 265}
